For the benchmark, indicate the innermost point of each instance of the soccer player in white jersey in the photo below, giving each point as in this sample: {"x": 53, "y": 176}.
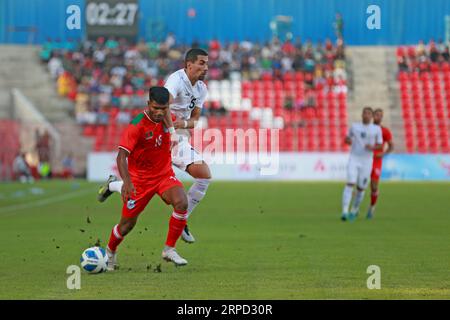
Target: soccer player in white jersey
{"x": 188, "y": 92}
{"x": 364, "y": 138}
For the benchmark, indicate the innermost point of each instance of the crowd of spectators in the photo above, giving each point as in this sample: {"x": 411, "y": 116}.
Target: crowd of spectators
{"x": 105, "y": 73}
{"x": 422, "y": 57}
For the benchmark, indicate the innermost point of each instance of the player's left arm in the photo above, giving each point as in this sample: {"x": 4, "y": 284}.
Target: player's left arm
{"x": 189, "y": 124}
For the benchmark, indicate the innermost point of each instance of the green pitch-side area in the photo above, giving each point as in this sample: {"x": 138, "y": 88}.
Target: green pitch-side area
{"x": 254, "y": 241}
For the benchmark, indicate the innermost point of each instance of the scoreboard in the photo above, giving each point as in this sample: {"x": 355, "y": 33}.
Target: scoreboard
{"x": 118, "y": 18}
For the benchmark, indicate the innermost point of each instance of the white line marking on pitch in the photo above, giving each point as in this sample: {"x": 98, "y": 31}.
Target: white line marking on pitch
{"x": 43, "y": 202}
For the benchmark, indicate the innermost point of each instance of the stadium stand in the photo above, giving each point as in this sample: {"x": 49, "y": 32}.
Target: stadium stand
{"x": 424, "y": 77}
{"x": 298, "y": 88}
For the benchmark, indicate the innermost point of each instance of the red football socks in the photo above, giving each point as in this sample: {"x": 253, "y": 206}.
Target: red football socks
{"x": 177, "y": 223}
{"x": 373, "y": 198}
{"x": 115, "y": 239}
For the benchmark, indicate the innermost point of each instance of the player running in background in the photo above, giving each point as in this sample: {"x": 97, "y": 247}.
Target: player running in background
{"x": 145, "y": 165}
{"x": 378, "y": 160}
{"x": 188, "y": 93}
{"x": 364, "y": 138}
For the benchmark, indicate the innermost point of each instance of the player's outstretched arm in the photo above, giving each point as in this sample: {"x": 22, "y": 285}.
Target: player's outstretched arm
{"x": 128, "y": 189}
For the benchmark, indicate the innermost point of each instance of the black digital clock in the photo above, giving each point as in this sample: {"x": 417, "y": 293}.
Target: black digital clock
{"x": 112, "y": 18}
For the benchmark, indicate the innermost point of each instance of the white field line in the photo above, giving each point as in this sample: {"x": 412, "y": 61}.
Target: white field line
{"x": 43, "y": 202}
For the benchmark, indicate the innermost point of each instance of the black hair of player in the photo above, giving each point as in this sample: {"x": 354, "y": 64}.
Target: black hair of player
{"x": 159, "y": 94}
{"x": 192, "y": 55}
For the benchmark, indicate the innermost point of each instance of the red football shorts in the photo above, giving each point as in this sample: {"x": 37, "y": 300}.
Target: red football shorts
{"x": 376, "y": 170}
{"x": 144, "y": 193}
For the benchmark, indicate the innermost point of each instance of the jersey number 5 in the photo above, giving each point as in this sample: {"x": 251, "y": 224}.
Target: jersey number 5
{"x": 192, "y": 105}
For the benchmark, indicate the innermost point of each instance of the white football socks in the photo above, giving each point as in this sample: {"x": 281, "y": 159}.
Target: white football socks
{"x": 115, "y": 186}
{"x": 346, "y": 198}
{"x": 196, "y": 193}
{"x": 358, "y": 199}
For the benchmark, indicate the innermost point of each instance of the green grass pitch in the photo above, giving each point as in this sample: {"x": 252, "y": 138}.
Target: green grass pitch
{"x": 254, "y": 241}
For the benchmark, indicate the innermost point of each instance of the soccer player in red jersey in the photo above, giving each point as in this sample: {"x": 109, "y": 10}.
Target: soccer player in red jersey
{"x": 145, "y": 165}
{"x": 378, "y": 160}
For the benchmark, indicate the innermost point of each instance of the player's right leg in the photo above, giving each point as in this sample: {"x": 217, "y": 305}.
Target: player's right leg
{"x": 364, "y": 171}
{"x": 373, "y": 198}
{"x": 118, "y": 232}
{"x": 130, "y": 212}
{"x": 375, "y": 178}
{"x": 111, "y": 185}
{"x": 352, "y": 176}
{"x": 172, "y": 192}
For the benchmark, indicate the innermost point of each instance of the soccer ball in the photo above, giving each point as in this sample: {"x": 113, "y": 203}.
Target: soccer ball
{"x": 94, "y": 260}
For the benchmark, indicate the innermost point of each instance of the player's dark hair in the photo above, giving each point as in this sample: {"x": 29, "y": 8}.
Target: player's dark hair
{"x": 159, "y": 94}
{"x": 368, "y": 108}
{"x": 192, "y": 55}
{"x": 378, "y": 110}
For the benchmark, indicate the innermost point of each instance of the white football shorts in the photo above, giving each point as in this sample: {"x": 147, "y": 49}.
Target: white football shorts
{"x": 358, "y": 171}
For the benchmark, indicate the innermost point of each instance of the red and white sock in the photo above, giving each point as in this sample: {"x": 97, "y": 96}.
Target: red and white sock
{"x": 177, "y": 223}
{"x": 115, "y": 238}
{"x": 373, "y": 198}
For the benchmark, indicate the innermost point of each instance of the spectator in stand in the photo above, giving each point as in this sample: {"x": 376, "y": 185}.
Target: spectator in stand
{"x": 339, "y": 26}
{"x": 446, "y": 54}
{"x": 288, "y": 48}
{"x": 55, "y": 66}
{"x": 309, "y": 102}
{"x": 170, "y": 40}
{"x": 43, "y": 146}
{"x": 433, "y": 51}
{"x": 21, "y": 169}
{"x": 420, "y": 49}
{"x": 402, "y": 64}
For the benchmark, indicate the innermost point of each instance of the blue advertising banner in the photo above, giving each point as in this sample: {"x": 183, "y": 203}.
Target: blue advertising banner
{"x": 365, "y": 22}
{"x": 416, "y": 167}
